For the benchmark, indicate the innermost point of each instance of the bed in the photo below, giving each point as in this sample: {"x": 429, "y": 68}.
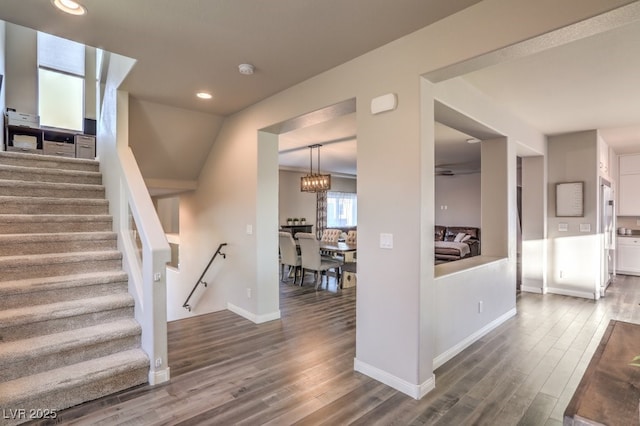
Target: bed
{"x": 456, "y": 242}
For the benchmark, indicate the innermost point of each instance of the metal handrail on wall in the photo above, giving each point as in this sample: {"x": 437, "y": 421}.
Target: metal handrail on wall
{"x": 193, "y": 290}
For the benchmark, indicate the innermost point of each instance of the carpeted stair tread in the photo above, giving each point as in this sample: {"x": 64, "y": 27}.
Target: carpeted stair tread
{"x": 54, "y": 223}
{"x": 56, "y": 242}
{"x": 14, "y": 204}
{"x": 22, "y": 261}
{"x": 41, "y": 313}
{"x": 46, "y": 189}
{"x": 23, "y": 173}
{"x": 73, "y": 340}
{"x": 59, "y": 282}
{"x": 53, "y": 217}
{"x": 48, "y": 161}
{"x": 57, "y": 236}
{"x": 73, "y": 384}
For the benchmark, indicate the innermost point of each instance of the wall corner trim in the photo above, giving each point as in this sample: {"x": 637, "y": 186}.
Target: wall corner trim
{"x": 258, "y": 319}
{"x": 410, "y": 389}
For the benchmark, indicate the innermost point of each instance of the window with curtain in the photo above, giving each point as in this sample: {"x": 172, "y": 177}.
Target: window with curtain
{"x": 342, "y": 209}
{"x": 60, "y": 82}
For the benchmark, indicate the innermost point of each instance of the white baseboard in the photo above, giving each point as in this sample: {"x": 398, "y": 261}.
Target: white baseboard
{"x": 159, "y": 376}
{"x": 455, "y": 350}
{"x": 413, "y": 390}
{"x": 258, "y": 319}
{"x": 573, "y": 293}
{"x": 528, "y": 289}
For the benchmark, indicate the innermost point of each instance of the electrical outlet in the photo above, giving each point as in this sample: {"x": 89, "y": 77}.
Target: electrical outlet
{"x": 157, "y": 276}
{"x": 561, "y": 273}
{"x": 480, "y": 307}
{"x": 248, "y": 292}
{"x": 158, "y": 362}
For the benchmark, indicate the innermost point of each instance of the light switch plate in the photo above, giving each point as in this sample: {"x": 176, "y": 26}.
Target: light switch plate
{"x": 585, "y": 227}
{"x": 563, "y": 227}
{"x": 249, "y": 229}
{"x": 386, "y": 241}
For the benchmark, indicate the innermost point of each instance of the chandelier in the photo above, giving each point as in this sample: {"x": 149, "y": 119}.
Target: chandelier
{"x": 315, "y": 182}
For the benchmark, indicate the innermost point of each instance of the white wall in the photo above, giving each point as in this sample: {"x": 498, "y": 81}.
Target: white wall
{"x": 169, "y": 214}
{"x": 457, "y": 200}
{"x": 21, "y": 79}
{"x": 573, "y": 259}
{"x": 170, "y": 142}
{"x": 469, "y": 304}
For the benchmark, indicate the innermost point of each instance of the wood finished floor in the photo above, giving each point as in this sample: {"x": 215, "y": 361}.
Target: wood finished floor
{"x": 228, "y": 371}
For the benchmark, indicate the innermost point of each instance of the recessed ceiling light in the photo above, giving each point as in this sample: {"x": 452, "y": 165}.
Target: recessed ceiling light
{"x": 69, "y": 6}
{"x": 204, "y": 95}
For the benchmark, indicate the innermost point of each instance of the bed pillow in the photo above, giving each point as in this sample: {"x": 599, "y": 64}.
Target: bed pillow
{"x": 459, "y": 237}
{"x": 465, "y": 238}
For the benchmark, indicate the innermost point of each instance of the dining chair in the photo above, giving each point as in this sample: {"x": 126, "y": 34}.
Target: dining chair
{"x": 289, "y": 256}
{"x": 352, "y": 237}
{"x": 331, "y": 235}
{"x": 313, "y": 261}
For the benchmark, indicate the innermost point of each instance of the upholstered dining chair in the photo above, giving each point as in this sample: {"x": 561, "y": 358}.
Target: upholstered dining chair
{"x": 313, "y": 261}
{"x": 352, "y": 237}
{"x": 331, "y": 235}
{"x": 289, "y": 256}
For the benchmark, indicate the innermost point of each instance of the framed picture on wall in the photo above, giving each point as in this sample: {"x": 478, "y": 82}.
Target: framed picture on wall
{"x": 570, "y": 199}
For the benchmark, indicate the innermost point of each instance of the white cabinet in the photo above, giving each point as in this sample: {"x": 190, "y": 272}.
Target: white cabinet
{"x": 629, "y": 185}
{"x": 629, "y": 195}
{"x": 85, "y": 146}
{"x": 628, "y": 255}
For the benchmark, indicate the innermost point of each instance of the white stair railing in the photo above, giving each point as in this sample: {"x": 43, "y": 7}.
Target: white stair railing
{"x": 140, "y": 235}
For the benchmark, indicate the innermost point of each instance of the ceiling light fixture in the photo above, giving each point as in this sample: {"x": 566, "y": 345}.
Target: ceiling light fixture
{"x": 69, "y": 6}
{"x": 204, "y": 95}
{"x": 473, "y": 140}
{"x": 315, "y": 182}
{"x": 246, "y": 69}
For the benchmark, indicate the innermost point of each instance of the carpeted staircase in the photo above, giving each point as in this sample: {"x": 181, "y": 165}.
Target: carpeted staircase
{"x": 67, "y": 328}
